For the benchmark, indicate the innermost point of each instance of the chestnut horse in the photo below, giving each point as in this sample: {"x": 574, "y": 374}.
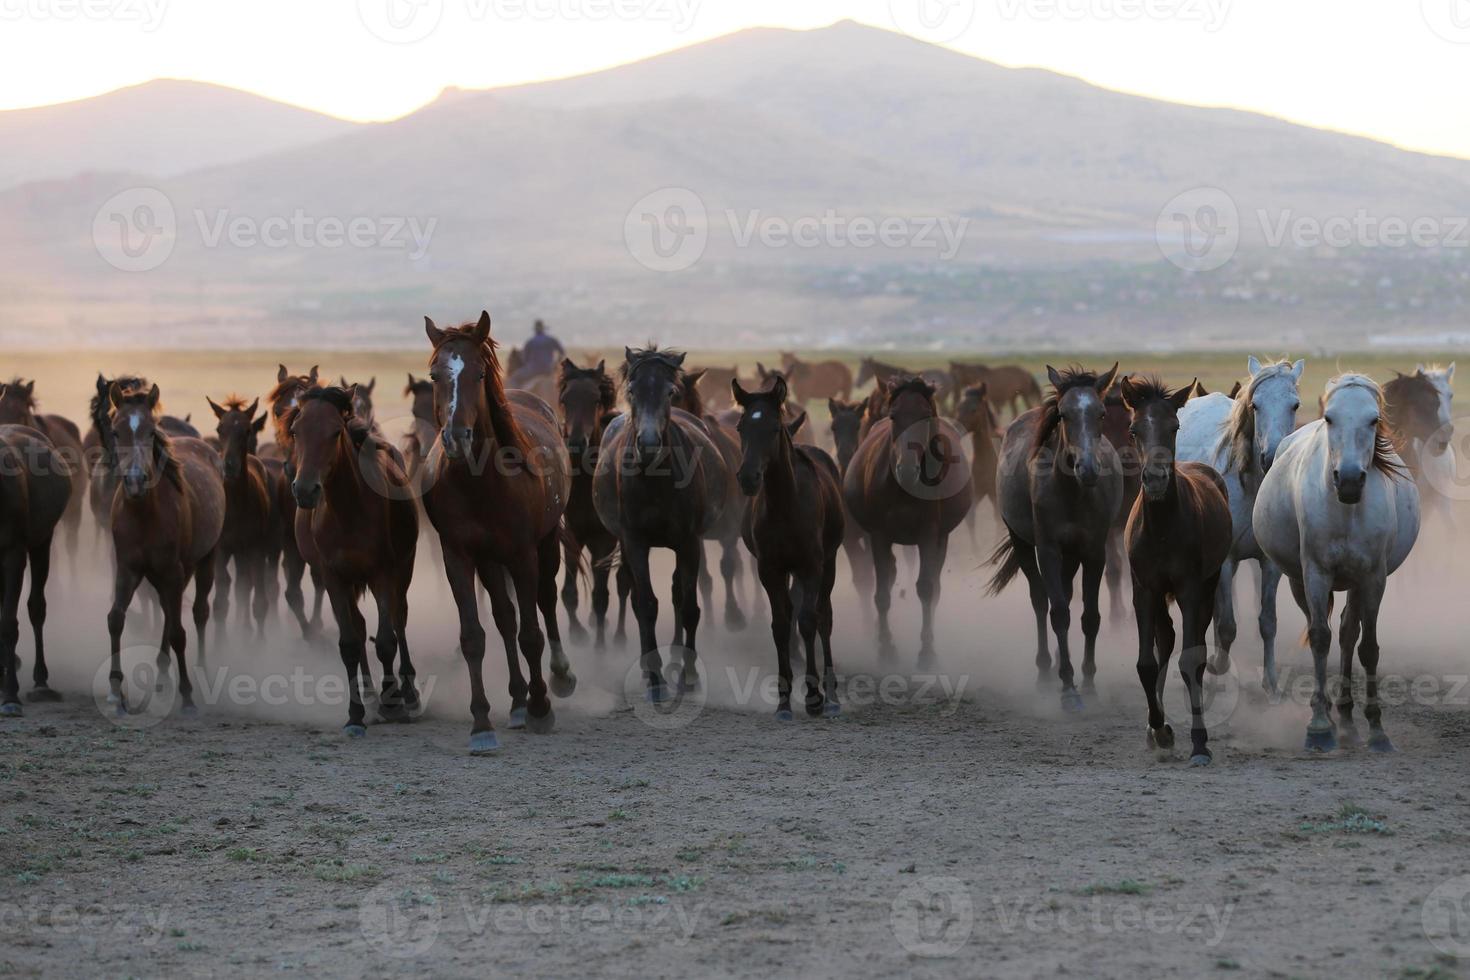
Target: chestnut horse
{"x": 284, "y": 397}
{"x": 794, "y": 526}
{"x": 246, "y": 537}
{"x": 908, "y": 484}
{"x": 1060, "y": 492}
{"x": 495, "y": 485}
{"x": 356, "y": 522}
{"x": 589, "y": 401}
{"x": 1178, "y": 535}
{"x": 1009, "y": 385}
{"x": 816, "y": 379}
{"x": 167, "y": 513}
{"x": 35, "y": 491}
{"x": 661, "y": 482}
{"x": 976, "y": 417}
{"x": 18, "y": 407}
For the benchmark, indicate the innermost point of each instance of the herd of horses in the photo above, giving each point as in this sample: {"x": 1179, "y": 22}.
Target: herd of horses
{"x": 596, "y": 467}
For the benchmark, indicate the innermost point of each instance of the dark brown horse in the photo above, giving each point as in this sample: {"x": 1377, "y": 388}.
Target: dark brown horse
{"x": 246, "y": 537}
{"x": 589, "y": 401}
{"x": 975, "y": 416}
{"x": 1117, "y": 429}
{"x": 1178, "y": 536}
{"x": 420, "y": 392}
{"x": 908, "y": 484}
{"x": 18, "y": 407}
{"x": 495, "y": 485}
{"x": 1419, "y": 423}
{"x": 661, "y": 483}
{"x": 727, "y": 530}
{"x": 167, "y": 513}
{"x": 847, "y": 431}
{"x": 793, "y": 526}
{"x": 356, "y": 522}
{"x": 35, "y": 491}
{"x": 1060, "y": 492}
{"x": 816, "y": 379}
{"x": 284, "y": 397}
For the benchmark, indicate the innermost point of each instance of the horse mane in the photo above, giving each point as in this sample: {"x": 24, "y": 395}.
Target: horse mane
{"x": 234, "y": 402}
{"x": 279, "y": 419}
{"x": 1070, "y": 378}
{"x": 607, "y": 387}
{"x": 338, "y": 397}
{"x": 672, "y": 359}
{"x": 1239, "y": 436}
{"x": 1149, "y": 388}
{"x": 18, "y": 383}
{"x": 915, "y": 385}
{"x": 1385, "y": 458}
{"x": 502, "y": 422}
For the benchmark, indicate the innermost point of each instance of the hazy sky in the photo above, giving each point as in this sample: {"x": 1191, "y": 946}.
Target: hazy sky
{"x": 1397, "y": 70}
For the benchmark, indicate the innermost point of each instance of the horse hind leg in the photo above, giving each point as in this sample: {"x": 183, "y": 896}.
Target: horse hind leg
{"x": 563, "y": 681}
{"x": 688, "y": 563}
{"x": 14, "y": 567}
{"x": 1225, "y": 629}
{"x": 203, "y": 583}
{"x": 807, "y": 618}
{"x": 1348, "y": 630}
{"x": 222, "y": 594}
{"x": 730, "y": 570}
{"x": 540, "y": 718}
{"x": 570, "y": 598}
{"x": 1270, "y": 581}
{"x": 1036, "y": 585}
{"x": 385, "y": 645}
{"x": 885, "y": 570}
{"x": 40, "y": 561}
{"x": 503, "y": 612}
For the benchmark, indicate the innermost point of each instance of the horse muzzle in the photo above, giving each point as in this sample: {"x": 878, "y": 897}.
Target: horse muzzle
{"x": 456, "y": 441}
{"x": 135, "y": 486}
{"x": 307, "y": 495}
{"x": 1155, "y": 486}
{"x": 1349, "y": 485}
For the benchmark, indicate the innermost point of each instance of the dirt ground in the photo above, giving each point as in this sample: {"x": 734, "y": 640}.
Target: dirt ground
{"x": 951, "y": 823}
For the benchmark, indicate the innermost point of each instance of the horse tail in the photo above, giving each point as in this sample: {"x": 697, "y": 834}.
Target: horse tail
{"x": 1305, "y": 639}
{"x": 1004, "y": 556}
{"x": 571, "y": 546}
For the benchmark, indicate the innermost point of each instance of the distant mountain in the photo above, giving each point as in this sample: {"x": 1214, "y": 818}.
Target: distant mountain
{"x": 527, "y": 199}
{"x": 163, "y": 127}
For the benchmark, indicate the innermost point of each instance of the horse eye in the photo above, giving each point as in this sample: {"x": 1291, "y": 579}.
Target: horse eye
{"x": 1295, "y": 406}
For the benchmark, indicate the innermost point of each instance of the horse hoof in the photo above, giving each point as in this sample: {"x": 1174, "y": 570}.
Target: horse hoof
{"x": 783, "y": 714}
{"x": 11, "y": 710}
{"x": 1323, "y": 741}
{"x": 391, "y": 713}
{"x": 517, "y": 718}
{"x": 814, "y": 710}
{"x": 1379, "y": 742}
{"x": 1199, "y": 759}
{"x": 1071, "y": 702}
{"x": 832, "y": 709}
{"x": 189, "y": 711}
{"x": 542, "y": 725}
{"x": 1162, "y": 738}
{"x": 354, "y": 730}
{"x": 1347, "y": 735}
{"x": 562, "y": 685}
{"x": 121, "y": 711}
{"x": 43, "y": 693}
{"x": 484, "y": 743}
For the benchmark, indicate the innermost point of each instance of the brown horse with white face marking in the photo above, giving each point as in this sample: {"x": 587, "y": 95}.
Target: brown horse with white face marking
{"x": 246, "y": 537}
{"x": 35, "y": 490}
{"x": 909, "y": 484}
{"x": 167, "y": 514}
{"x": 495, "y": 486}
{"x": 356, "y": 521}
{"x": 18, "y": 407}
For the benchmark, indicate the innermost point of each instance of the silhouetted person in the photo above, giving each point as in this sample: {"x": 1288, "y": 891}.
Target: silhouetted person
{"x": 540, "y": 356}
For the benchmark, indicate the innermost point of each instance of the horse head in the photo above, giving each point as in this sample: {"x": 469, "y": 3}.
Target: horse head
{"x": 1357, "y": 434}
{"x": 1154, "y": 426}
{"x": 914, "y": 431}
{"x": 765, "y": 435}
{"x": 461, "y": 367}
{"x": 586, "y": 396}
{"x": 1265, "y": 412}
{"x": 847, "y": 427}
{"x": 139, "y": 445}
{"x": 1076, "y": 413}
{"x": 238, "y": 430}
{"x": 653, "y": 380}
{"x": 318, "y": 426}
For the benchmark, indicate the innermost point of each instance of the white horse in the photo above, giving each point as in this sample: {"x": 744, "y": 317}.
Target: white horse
{"x": 1239, "y": 438}
{"x": 1338, "y": 513}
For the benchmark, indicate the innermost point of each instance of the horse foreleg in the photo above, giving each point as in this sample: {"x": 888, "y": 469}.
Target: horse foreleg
{"x": 13, "y": 568}
{"x": 294, "y": 567}
{"x": 1057, "y": 579}
{"x": 406, "y": 673}
{"x": 773, "y": 580}
{"x": 1270, "y": 576}
{"x": 625, "y": 592}
{"x": 824, "y": 628}
{"x": 1317, "y": 587}
{"x": 460, "y": 572}
{"x": 806, "y": 622}
{"x": 1224, "y": 617}
{"x": 1114, "y": 566}
{"x": 706, "y": 585}
{"x": 350, "y": 647}
{"x": 645, "y": 611}
{"x": 40, "y": 560}
{"x": 931, "y": 567}
{"x": 730, "y": 569}
{"x": 1092, "y": 576}
{"x": 528, "y": 585}
{"x": 503, "y": 613}
{"x": 1145, "y": 614}
{"x": 563, "y": 681}
{"x": 1348, "y": 630}
{"x": 125, "y": 583}
{"x": 222, "y": 594}
{"x": 688, "y": 563}
{"x": 203, "y": 582}
{"x": 884, "y": 571}
{"x": 1370, "y": 598}
{"x": 171, "y": 595}
{"x": 385, "y": 645}
{"x": 570, "y": 599}
{"x": 600, "y": 599}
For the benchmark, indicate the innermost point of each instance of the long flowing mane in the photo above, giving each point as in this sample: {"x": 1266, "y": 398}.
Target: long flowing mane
{"x": 1071, "y": 377}
{"x": 502, "y": 422}
{"x": 1238, "y": 439}
{"x": 1385, "y": 459}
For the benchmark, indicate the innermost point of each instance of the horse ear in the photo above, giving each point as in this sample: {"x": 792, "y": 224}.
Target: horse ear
{"x": 114, "y": 393}
{"x": 567, "y": 366}
{"x": 832, "y": 407}
{"x": 153, "y": 397}
{"x": 372, "y": 383}
{"x": 1128, "y": 391}
{"x": 1297, "y": 369}
{"x": 481, "y": 333}
{"x": 351, "y": 397}
{"x": 794, "y": 426}
{"x": 1449, "y": 372}
{"x": 628, "y": 354}
{"x": 778, "y": 388}
{"x": 219, "y": 413}
{"x": 1253, "y": 365}
{"x": 1182, "y": 395}
{"x": 741, "y": 396}
{"x": 602, "y": 366}
{"x": 862, "y": 408}
{"x": 259, "y": 424}
{"x": 695, "y": 377}
{"x": 1106, "y": 381}
{"x": 312, "y": 374}
{"x": 342, "y": 381}
{"x": 436, "y": 336}
{"x": 1234, "y": 390}
{"x": 1419, "y": 368}
{"x": 983, "y": 388}
{"x": 410, "y": 385}
{"x": 1200, "y": 390}
{"x": 30, "y": 386}
{"x": 281, "y": 373}
{"x": 1054, "y": 376}
{"x": 250, "y": 412}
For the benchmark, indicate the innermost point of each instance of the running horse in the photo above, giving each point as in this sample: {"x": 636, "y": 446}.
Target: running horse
{"x": 1178, "y": 536}
{"x": 1009, "y": 385}
{"x": 1060, "y": 491}
{"x": 908, "y": 483}
{"x": 727, "y": 530}
{"x": 283, "y": 398}
{"x": 356, "y": 522}
{"x": 420, "y": 392}
{"x": 1418, "y": 414}
{"x": 661, "y": 483}
{"x": 167, "y": 514}
{"x": 977, "y": 418}
{"x": 495, "y": 486}
{"x": 816, "y": 379}
{"x": 18, "y": 407}
{"x": 246, "y": 538}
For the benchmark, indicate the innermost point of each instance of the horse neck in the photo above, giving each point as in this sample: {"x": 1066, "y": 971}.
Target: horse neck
{"x": 343, "y": 489}
{"x": 779, "y": 484}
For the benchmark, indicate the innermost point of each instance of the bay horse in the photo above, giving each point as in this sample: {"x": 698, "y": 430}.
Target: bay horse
{"x": 816, "y": 379}
{"x": 909, "y": 484}
{"x": 168, "y": 510}
{"x": 847, "y": 428}
{"x": 661, "y": 482}
{"x": 284, "y": 397}
{"x": 1010, "y": 386}
{"x": 35, "y": 491}
{"x": 1178, "y": 536}
{"x": 727, "y": 530}
{"x": 977, "y": 418}
{"x": 356, "y": 522}
{"x": 495, "y": 486}
{"x": 1418, "y": 415}
{"x": 1060, "y": 491}
{"x": 1338, "y": 512}
{"x": 716, "y": 390}
{"x": 420, "y": 392}
{"x": 18, "y": 407}
{"x": 1238, "y": 438}
{"x": 793, "y": 526}
{"x": 876, "y": 371}
{"x": 246, "y": 538}
{"x": 589, "y": 401}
